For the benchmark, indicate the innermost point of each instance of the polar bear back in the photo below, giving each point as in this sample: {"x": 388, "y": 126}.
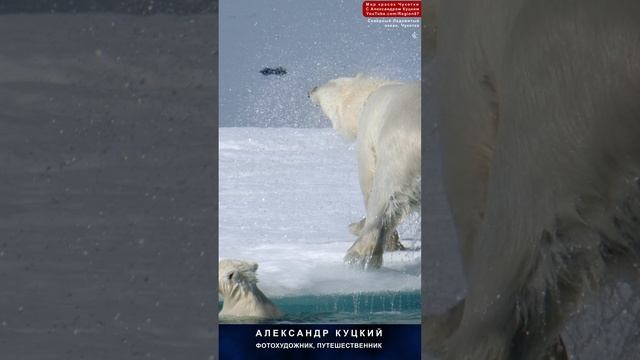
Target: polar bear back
{"x": 391, "y": 109}
{"x": 389, "y": 129}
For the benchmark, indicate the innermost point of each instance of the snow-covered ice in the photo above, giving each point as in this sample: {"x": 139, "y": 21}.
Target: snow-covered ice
{"x": 286, "y": 197}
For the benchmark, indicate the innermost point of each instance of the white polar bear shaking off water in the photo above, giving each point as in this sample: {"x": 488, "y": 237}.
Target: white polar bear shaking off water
{"x": 384, "y": 117}
{"x": 238, "y": 285}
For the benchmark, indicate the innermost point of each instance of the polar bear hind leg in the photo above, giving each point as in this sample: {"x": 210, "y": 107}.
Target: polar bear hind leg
{"x": 385, "y": 211}
{"x": 367, "y": 165}
{"x": 356, "y": 227}
{"x": 366, "y": 252}
{"x": 392, "y": 243}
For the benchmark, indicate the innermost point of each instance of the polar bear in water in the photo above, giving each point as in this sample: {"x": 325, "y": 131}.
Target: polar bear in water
{"x": 238, "y": 286}
{"x": 384, "y": 117}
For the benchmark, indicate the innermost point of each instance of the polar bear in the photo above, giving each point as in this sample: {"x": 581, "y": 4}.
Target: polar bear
{"x": 383, "y": 117}
{"x": 540, "y": 136}
{"x": 238, "y": 286}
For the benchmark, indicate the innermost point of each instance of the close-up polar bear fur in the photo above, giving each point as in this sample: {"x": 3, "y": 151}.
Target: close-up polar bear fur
{"x": 238, "y": 286}
{"x": 383, "y": 117}
{"x": 539, "y": 126}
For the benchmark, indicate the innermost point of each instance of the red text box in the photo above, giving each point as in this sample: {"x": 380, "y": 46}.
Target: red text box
{"x": 392, "y": 8}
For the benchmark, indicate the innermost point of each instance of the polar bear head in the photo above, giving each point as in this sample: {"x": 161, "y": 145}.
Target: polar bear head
{"x": 343, "y": 99}
{"x": 235, "y": 273}
{"x": 238, "y": 286}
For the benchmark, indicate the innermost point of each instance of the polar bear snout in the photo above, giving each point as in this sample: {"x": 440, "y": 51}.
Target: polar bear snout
{"x": 311, "y": 92}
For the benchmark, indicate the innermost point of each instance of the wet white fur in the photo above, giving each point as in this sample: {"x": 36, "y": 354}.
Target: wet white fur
{"x": 238, "y": 286}
{"x": 384, "y": 118}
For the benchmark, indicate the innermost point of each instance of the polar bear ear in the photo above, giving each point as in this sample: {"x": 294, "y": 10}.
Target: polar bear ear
{"x": 253, "y": 266}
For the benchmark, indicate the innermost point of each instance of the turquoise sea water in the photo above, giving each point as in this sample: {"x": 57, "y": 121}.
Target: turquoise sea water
{"x": 390, "y": 307}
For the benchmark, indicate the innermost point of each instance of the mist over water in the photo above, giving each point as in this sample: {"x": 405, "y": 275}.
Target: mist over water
{"x": 315, "y": 41}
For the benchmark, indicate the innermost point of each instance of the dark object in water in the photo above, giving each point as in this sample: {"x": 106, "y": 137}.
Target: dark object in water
{"x": 274, "y": 71}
